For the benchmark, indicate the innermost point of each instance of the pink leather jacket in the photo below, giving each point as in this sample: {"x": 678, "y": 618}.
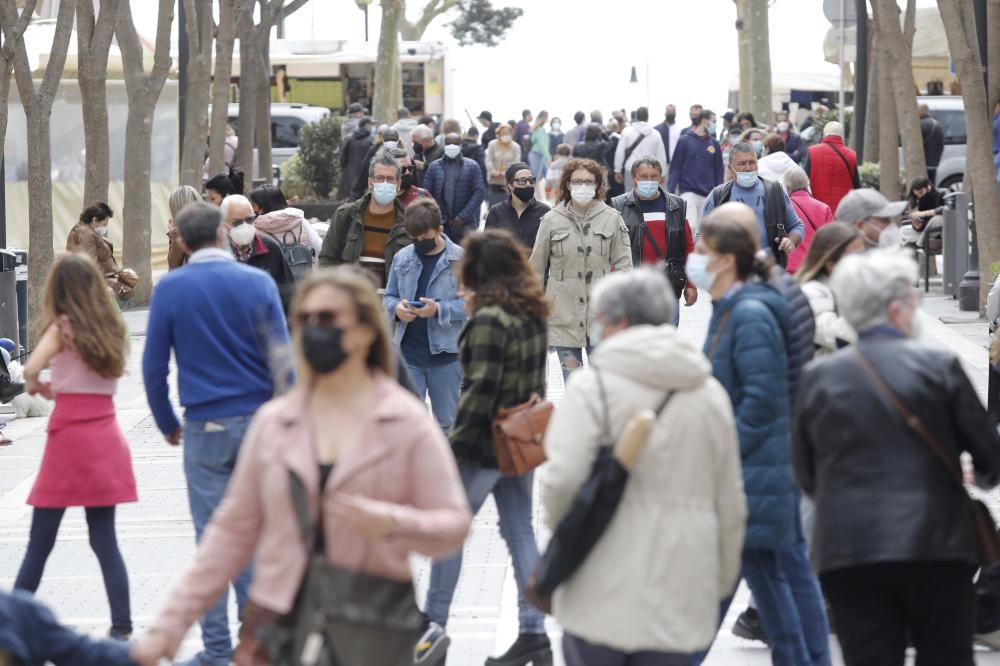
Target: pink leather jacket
{"x": 402, "y": 459}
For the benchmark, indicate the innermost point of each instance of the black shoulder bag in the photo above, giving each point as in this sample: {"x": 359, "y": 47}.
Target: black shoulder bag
{"x": 631, "y": 149}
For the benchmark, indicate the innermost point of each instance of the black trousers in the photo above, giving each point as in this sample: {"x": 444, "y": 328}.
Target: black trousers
{"x": 876, "y": 607}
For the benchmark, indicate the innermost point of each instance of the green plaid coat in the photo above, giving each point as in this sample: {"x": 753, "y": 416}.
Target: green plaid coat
{"x": 503, "y": 361}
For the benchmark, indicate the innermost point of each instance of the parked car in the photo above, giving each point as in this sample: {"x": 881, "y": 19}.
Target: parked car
{"x": 286, "y": 121}
{"x": 950, "y": 112}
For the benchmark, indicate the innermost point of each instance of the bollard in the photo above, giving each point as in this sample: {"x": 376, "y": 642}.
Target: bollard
{"x": 968, "y": 288}
{"x": 956, "y": 244}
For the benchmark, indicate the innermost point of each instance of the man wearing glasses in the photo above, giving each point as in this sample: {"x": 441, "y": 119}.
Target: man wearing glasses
{"x": 253, "y": 248}
{"x": 521, "y": 213}
{"x": 409, "y": 191}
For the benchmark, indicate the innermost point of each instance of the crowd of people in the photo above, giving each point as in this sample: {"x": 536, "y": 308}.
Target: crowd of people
{"x": 305, "y": 360}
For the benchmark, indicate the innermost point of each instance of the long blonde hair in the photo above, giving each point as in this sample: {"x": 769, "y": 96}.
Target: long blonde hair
{"x": 75, "y": 289}
{"x": 360, "y": 288}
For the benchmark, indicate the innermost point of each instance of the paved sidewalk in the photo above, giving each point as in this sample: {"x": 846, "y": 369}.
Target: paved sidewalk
{"x": 157, "y": 537}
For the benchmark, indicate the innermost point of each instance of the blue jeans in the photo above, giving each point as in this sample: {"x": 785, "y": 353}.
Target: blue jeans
{"x": 570, "y": 358}
{"x": 210, "y": 450}
{"x": 513, "y": 498}
{"x": 443, "y": 382}
{"x": 578, "y": 652}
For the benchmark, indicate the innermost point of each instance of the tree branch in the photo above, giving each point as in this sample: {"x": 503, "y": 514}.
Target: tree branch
{"x": 9, "y": 17}
{"x": 293, "y": 6}
{"x": 414, "y": 31}
{"x": 57, "y": 55}
{"x": 161, "y": 53}
{"x": 910, "y": 21}
{"x": 128, "y": 42}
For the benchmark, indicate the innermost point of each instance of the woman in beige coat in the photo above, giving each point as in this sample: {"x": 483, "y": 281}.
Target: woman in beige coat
{"x": 672, "y": 551}
{"x": 500, "y": 154}
{"x": 579, "y": 241}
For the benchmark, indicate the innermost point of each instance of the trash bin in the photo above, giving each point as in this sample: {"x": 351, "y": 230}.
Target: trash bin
{"x": 8, "y": 296}
{"x": 21, "y": 273}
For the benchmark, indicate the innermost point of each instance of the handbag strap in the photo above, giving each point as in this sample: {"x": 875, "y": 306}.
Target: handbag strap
{"x": 912, "y": 421}
{"x": 847, "y": 164}
{"x": 718, "y": 333}
{"x": 301, "y": 506}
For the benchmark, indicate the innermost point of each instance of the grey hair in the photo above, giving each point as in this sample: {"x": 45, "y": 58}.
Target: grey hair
{"x": 866, "y": 284}
{"x": 646, "y": 160}
{"x": 233, "y": 200}
{"x": 383, "y": 158}
{"x": 198, "y": 224}
{"x": 796, "y": 179}
{"x": 741, "y": 147}
{"x": 421, "y": 132}
{"x": 641, "y": 296}
{"x": 181, "y": 197}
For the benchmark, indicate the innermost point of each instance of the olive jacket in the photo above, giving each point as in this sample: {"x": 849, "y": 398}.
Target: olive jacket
{"x": 346, "y": 237}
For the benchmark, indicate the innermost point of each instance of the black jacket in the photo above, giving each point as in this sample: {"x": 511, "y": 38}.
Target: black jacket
{"x": 352, "y": 158}
{"x": 265, "y": 254}
{"x": 593, "y": 150}
{"x": 432, "y": 154}
{"x": 774, "y": 211}
{"x": 476, "y": 153}
{"x": 524, "y": 228}
{"x": 881, "y": 494}
{"x": 933, "y": 135}
{"x": 489, "y": 135}
{"x": 676, "y": 246}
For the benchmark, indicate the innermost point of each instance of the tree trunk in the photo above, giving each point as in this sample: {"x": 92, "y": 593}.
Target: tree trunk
{"x": 960, "y": 29}
{"x": 760, "y": 59}
{"x": 93, "y": 46}
{"x": 12, "y": 34}
{"x": 249, "y": 87}
{"x": 888, "y": 145}
{"x": 388, "y": 87}
{"x": 264, "y": 161}
{"x": 143, "y": 92}
{"x": 743, "y": 38}
{"x": 199, "y": 33}
{"x": 993, "y": 50}
{"x": 874, "y": 100}
{"x": 898, "y": 59}
{"x": 224, "y": 40}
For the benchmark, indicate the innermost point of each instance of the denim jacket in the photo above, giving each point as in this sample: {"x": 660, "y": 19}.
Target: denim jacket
{"x": 443, "y": 329}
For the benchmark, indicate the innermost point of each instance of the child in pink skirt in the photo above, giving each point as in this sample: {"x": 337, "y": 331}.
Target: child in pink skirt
{"x": 87, "y": 461}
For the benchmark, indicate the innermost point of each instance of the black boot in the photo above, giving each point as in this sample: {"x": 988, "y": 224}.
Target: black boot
{"x": 533, "y": 649}
{"x": 10, "y": 390}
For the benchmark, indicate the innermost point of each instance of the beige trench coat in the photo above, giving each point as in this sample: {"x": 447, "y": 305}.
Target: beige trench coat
{"x": 572, "y": 252}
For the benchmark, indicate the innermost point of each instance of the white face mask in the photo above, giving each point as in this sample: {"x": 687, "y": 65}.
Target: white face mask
{"x": 390, "y": 145}
{"x": 782, "y": 126}
{"x": 101, "y": 231}
{"x": 583, "y": 194}
{"x": 506, "y": 138}
{"x": 890, "y": 237}
{"x": 243, "y": 235}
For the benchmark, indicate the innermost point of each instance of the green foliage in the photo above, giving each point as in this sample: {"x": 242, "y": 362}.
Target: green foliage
{"x": 293, "y": 185}
{"x": 479, "y": 22}
{"x": 318, "y": 161}
{"x": 870, "y": 174}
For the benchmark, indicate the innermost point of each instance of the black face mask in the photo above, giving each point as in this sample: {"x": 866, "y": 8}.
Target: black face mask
{"x": 322, "y": 348}
{"x": 425, "y": 246}
{"x": 525, "y": 194}
{"x": 407, "y": 181}
{"x": 671, "y": 117}
{"x": 418, "y": 148}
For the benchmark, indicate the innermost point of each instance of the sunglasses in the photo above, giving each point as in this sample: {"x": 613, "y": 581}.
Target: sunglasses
{"x": 245, "y": 220}
{"x": 524, "y": 181}
{"x": 322, "y": 318}
{"x": 408, "y": 169}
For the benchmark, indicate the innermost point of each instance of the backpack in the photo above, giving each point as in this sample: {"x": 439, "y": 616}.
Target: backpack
{"x": 299, "y": 256}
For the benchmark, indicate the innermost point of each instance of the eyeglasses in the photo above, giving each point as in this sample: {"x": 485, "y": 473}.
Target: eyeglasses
{"x": 530, "y": 180}
{"x": 323, "y": 318}
{"x": 246, "y": 220}
{"x": 408, "y": 169}
{"x": 384, "y": 179}
{"x": 583, "y": 183}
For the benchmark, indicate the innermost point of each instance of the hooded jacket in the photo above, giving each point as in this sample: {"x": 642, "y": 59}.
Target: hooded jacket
{"x": 572, "y": 252}
{"x": 672, "y": 550}
{"x": 289, "y": 227}
{"x": 352, "y": 158}
{"x": 832, "y": 330}
{"x": 747, "y": 351}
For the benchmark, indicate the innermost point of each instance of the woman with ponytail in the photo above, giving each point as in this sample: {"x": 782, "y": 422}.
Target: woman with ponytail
{"x": 221, "y": 186}
{"x": 746, "y": 345}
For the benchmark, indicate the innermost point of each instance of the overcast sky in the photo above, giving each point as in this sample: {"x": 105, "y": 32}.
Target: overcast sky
{"x": 568, "y": 55}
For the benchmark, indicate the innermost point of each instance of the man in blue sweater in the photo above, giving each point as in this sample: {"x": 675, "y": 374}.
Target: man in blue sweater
{"x": 696, "y": 167}
{"x": 224, "y": 322}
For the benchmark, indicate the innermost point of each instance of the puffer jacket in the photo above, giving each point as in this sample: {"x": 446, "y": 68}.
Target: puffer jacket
{"x": 802, "y": 328}
{"x": 289, "y": 227}
{"x": 680, "y": 523}
{"x": 592, "y": 150}
{"x": 832, "y": 330}
{"x": 572, "y": 252}
{"x": 747, "y": 351}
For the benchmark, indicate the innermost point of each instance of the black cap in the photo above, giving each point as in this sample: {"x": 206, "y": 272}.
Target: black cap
{"x": 513, "y": 169}
{"x": 354, "y": 107}
{"x": 485, "y": 115}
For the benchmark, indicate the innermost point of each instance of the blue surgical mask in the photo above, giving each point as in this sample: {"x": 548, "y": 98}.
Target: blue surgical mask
{"x": 451, "y": 151}
{"x": 647, "y": 189}
{"x": 697, "y": 271}
{"x": 747, "y": 179}
{"x": 758, "y": 146}
{"x": 390, "y": 145}
{"x": 711, "y": 129}
{"x": 384, "y": 193}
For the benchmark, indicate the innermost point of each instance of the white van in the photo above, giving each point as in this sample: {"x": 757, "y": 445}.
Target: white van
{"x": 286, "y": 121}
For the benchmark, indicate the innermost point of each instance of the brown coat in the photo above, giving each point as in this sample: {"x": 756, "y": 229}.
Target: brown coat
{"x": 84, "y": 240}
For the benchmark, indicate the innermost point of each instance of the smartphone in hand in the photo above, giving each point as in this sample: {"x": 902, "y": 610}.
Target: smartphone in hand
{"x": 416, "y": 305}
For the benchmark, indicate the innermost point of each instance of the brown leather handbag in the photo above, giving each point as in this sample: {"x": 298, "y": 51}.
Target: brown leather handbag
{"x": 518, "y": 433}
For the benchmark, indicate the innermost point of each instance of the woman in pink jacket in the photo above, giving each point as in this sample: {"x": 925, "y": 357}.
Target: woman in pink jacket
{"x": 364, "y": 448}
{"x": 813, "y": 213}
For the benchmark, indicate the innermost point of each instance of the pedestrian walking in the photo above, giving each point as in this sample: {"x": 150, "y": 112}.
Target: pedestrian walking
{"x": 575, "y": 134}
{"x": 456, "y": 183}
{"x": 352, "y": 157}
{"x": 409, "y": 191}
{"x": 793, "y": 140}
{"x": 355, "y": 113}
{"x": 404, "y": 126}
{"x": 337, "y": 436}
{"x": 556, "y": 135}
{"x": 538, "y": 154}
{"x": 426, "y": 151}
{"x": 90, "y": 237}
{"x": 755, "y": 137}
{"x": 386, "y": 139}
{"x": 773, "y": 163}
{"x": 813, "y": 213}
{"x": 500, "y": 155}
{"x": 746, "y": 344}
{"x": 86, "y": 460}
{"x": 579, "y": 241}
{"x": 224, "y": 323}
{"x": 521, "y": 132}
{"x": 223, "y": 185}
{"x": 504, "y": 353}
{"x": 832, "y": 243}
{"x": 179, "y": 198}
{"x": 473, "y": 150}
{"x": 780, "y": 229}
{"x": 422, "y": 302}
{"x": 638, "y": 140}
{"x": 256, "y": 248}
{"x": 696, "y": 168}
{"x": 286, "y": 224}
{"x": 490, "y": 128}
{"x": 932, "y": 135}
{"x": 695, "y": 114}
{"x": 594, "y": 146}
{"x": 879, "y": 432}
{"x": 520, "y": 213}
{"x": 832, "y": 167}
{"x": 874, "y": 216}
{"x": 683, "y": 501}
{"x": 669, "y": 131}
{"x": 560, "y": 156}
{"x": 658, "y": 229}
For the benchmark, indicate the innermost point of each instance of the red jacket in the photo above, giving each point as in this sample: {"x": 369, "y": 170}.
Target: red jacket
{"x": 830, "y": 178}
